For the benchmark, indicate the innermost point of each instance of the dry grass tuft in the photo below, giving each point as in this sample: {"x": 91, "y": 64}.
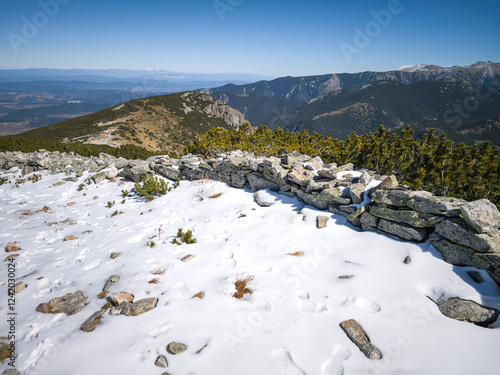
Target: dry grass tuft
{"x": 154, "y": 281}
{"x": 215, "y": 196}
{"x": 242, "y": 288}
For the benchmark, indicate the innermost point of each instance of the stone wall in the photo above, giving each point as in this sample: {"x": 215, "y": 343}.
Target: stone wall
{"x": 465, "y": 233}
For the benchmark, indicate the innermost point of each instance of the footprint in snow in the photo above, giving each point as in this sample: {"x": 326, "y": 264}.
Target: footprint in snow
{"x": 286, "y": 364}
{"x": 92, "y": 266}
{"x": 334, "y": 366}
{"x": 307, "y": 305}
{"x": 363, "y": 303}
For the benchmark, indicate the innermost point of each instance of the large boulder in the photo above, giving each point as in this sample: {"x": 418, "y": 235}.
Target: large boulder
{"x": 136, "y": 170}
{"x": 259, "y": 182}
{"x": 399, "y": 198}
{"x": 456, "y": 230}
{"x": 425, "y": 202}
{"x": 482, "y": 215}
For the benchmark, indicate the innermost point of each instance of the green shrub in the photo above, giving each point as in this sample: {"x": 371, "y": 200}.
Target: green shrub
{"x": 153, "y": 187}
{"x": 3, "y": 180}
{"x": 184, "y": 237}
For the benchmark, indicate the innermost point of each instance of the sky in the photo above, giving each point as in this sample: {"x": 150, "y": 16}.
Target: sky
{"x": 270, "y": 38}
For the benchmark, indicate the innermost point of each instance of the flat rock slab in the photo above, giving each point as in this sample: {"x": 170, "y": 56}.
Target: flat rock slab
{"x": 139, "y": 307}
{"x": 356, "y": 334}
{"x": 112, "y": 279}
{"x": 93, "y": 322}
{"x": 469, "y": 311}
{"x": 69, "y": 304}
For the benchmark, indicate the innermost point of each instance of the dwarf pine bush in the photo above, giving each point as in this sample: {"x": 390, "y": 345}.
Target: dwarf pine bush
{"x": 153, "y": 187}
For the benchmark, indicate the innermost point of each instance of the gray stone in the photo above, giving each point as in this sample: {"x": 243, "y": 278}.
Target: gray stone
{"x": 259, "y": 182}
{"x": 93, "y": 322}
{"x": 321, "y": 221}
{"x": 357, "y": 192}
{"x": 413, "y": 218}
{"x": 343, "y": 168}
{"x": 300, "y": 176}
{"x": 99, "y": 177}
{"x": 176, "y": 348}
{"x": 456, "y": 230}
{"x": 469, "y": 311}
{"x": 327, "y": 173}
{"x": 389, "y": 182}
{"x": 112, "y": 172}
{"x": 431, "y": 204}
{"x": 237, "y": 180}
{"x": 369, "y": 220}
{"x": 111, "y": 280}
{"x": 476, "y": 276}
{"x": 458, "y": 255}
{"x": 19, "y": 287}
{"x": 407, "y": 260}
{"x": 398, "y": 198}
{"x": 136, "y": 170}
{"x": 116, "y": 299}
{"x": 68, "y": 304}
{"x": 161, "y": 361}
{"x": 482, "y": 215}
{"x": 322, "y": 200}
{"x": 261, "y": 201}
{"x": 139, "y": 307}
{"x": 11, "y": 371}
{"x": 294, "y": 157}
{"x": 358, "y": 336}
{"x": 169, "y": 172}
{"x": 365, "y": 178}
{"x": 357, "y": 215}
{"x": 403, "y": 231}
{"x": 318, "y": 185}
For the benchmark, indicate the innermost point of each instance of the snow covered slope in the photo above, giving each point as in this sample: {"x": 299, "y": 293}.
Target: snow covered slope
{"x": 288, "y": 325}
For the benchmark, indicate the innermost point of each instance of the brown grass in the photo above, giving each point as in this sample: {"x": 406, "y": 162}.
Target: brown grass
{"x": 154, "y": 281}
{"x": 215, "y": 196}
{"x": 242, "y": 288}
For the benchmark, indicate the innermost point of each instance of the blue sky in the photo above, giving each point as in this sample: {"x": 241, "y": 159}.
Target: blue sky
{"x": 272, "y": 38}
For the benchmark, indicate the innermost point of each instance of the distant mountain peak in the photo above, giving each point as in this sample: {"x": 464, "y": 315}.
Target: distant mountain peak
{"x": 419, "y": 67}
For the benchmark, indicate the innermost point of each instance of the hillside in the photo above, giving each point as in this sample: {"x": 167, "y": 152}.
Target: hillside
{"x": 161, "y": 123}
{"x": 423, "y": 105}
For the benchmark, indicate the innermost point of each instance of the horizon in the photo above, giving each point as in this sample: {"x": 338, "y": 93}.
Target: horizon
{"x": 240, "y": 37}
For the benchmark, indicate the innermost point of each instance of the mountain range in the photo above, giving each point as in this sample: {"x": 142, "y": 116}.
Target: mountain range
{"x": 463, "y": 102}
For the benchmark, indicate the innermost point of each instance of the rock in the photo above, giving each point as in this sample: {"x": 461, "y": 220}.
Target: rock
{"x": 294, "y": 157}
{"x": 176, "y": 348}
{"x": 170, "y": 172}
{"x": 116, "y": 299}
{"x": 482, "y": 215}
{"x": 476, "y": 276}
{"x": 327, "y": 173}
{"x": 404, "y": 231}
{"x": 469, "y": 311}
{"x": 136, "y": 170}
{"x": 369, "y": 220}
{"x": 99, "y": 177}
{"x": 355, "y": 218}
{"x": 365, "y": 178}
{"x": 399, "y": 198}
{"x": 297, "y": 254}
{"x": 20, "y": 286}
{"x": 4, "y": 352}
{"x": 346, "y": 277}
{"x": 457, "y": 255}
{"x": 413, "y": 218}
{"x": 12, "y": 256}
{"x": 318, "y": 185}
{"x": 187, "y": 258}
{"x": 356, "y": 334}
{"x": 237, "y": 180}
{"x": 91, "y": 323}
{"x": 389, "y": 182}
{"x": 314, "y": 164}
{"x": 69, "y": 304}
{"x": 139, "y": 307}
{"x": 407, "y": 260}
{"x": 258, "y": 182}
{"x": 343, "y": 168}
{"x": 11, "y": 371}
{"x": 456, "y": 230}
{"x": 300, "y": 176}
{"x": 425, "y": 202}
{"x": 114, "y": 255}
{"x": 111, "y": 173}
{"x": 357, "y": 192}
{"x": 111, "y": 280}
{"x": 322, "y": 200}
{"x": 199, "y": 295}
{"x": 161, "y": 361}
{"x": 263, "y": 200}
{"x": 274, "y": 172}
{"x": 70, "y": 238}
{"x": 12, "y": 247}
{"x": 321, "y": 221}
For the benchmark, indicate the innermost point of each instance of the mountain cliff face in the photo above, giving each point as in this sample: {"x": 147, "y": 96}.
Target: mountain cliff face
{"x": 159, "y": 123}
{"x": 486, "y": 74}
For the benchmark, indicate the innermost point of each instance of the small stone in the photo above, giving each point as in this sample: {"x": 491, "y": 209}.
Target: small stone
{"x": 407, "y": 260}
{"x": 12, "y": 247}
{"x": 187, "y": 258}
{"x": 11, "y": 371}
{"x": 476, "y": 276}
{"x": 176, "y": 348}
{"x": 199, "y": 295}
{"x": 70, "y": 238}
{"x": 482, "y": 215}
{"x": 4, "y": 352}
{"x": 139, "y": 307}
{"x": 91, "y": 323}
{"x": 111, "y": 280}
{"x": 297, "y": 254}
{"x": 71, "y": 204}
{"x": 356, "y": 334}
{"x": 20, "y": 286}
{"x": 263, "y": 199}
{"x": 346, "y": 277}
{"x": 116, "y": 299}
{"x": 470, "y": 311}
{"x": 321, "y": 222}
{"x": 12, "y": 256}
{"x": 161, "y": 361}
{"x": 114, "y": 255}
{"x": 102, "y": 294}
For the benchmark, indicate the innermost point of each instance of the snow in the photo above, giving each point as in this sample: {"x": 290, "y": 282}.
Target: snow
{"x": 288, "y": 325}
